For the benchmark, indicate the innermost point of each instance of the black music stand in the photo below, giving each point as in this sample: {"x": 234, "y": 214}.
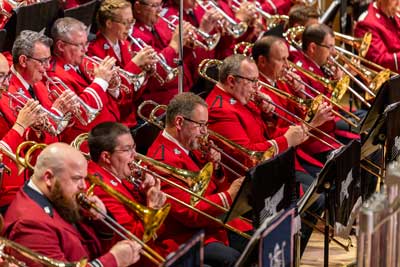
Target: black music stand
{"x": 340, "y": 172}
{"x": 33, "y": 17}
{"x": 85, "y": 13}
{"x": 189, "y": 254}
{"x": 268, "y": 188}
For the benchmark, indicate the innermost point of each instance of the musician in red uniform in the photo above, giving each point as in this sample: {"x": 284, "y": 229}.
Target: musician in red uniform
{"x": 230, "y": 107}
{"x": 72, "y": 68}
{"x": 112, "y": 151}
{"x": 177, "y": 145}
{"x": 383, "y": 21}
{"x": 115, "y": 19}
{"x": 45, "y": 215}
{"x": 156, "y": 33}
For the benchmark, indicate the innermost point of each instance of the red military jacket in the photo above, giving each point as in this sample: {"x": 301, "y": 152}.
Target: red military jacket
{"x": 90, "y": 92}
{"x": 241, "y": 124}
{"x": 32, "y": 222}
{"x": 10, "y": 115}
{"x": 385, "y": 44}
{"x": 10, "y": 183}
{"x": 101, "y": 47}
{"x": 280, "y": 7}
{"x": 182, "y": 223}
{"x": 162, "y": 94}
{"x": 123, "y": 215}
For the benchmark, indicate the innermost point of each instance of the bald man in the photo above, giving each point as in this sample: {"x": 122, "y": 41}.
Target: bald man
{"x": 45, "y": 216}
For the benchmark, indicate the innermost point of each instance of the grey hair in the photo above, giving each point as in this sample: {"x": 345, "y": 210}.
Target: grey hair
{"x": 182, "y": 104}
{"x": 25, "y": 43}
{"x": 63, "y": 27}
{"x": 231, "y": 66}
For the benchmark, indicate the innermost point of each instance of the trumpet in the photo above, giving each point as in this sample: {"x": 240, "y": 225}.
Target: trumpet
{"x": 52, "y": 123}
{"x": 56, "y": 86}
{"x": 120, "y": 230}
{"x": 116, "y": 80}
{"x": 271, "y": 20}
{"x": 232, "y": 27}
{"x": 170, "y": 72}
{"x": 198, "y": 37}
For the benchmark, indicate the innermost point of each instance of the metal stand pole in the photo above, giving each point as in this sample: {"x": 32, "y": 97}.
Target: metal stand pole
{"x": 180, "y": 60}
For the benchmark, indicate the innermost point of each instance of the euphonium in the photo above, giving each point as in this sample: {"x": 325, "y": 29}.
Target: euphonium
{"x": 25, "y": 161}
{"x": 151, "y": 218}
{"x": 232, "y": 27}
{"x": 56, "y": 86}
{"x": 170, "y": 72}
{"x": 32, "y": 256}
{"x": 199, "y": 37}
{"x": 77, "y": 143}
{"x": 12, "y": 156}
{"x": 51, "y": 123}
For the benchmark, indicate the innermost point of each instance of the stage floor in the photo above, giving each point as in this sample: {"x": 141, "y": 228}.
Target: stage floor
{"x": 314, "y": 253}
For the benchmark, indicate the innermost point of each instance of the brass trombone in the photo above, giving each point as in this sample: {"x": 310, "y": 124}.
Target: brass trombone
{"x": 360, "y": 44}
{"x": 199, "y": 37}
{"x": 56, "y": 86}
{"x": 20, "y": 165}
{"x": 233, "y": 28}
{"x": 120, "y": 230}
{"x": 33, "y": 256}
{"x": 170, "y": 72}
{"x": 151, "y": 218}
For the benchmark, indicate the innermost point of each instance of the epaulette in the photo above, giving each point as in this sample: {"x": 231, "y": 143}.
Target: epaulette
{"x": 217, "y": 98}
{"x": 363, "y": 16}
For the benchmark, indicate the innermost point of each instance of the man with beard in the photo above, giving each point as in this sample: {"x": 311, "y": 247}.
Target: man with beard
{"x": 178, "y": 146}
{"x": 45, "y": 216}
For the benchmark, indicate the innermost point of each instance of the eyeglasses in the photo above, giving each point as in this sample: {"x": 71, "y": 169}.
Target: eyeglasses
{"x": 200, "y": 124}
{"x": 125, "y": 23}
{"x": 127, "y": 149}
{"x": 82, "y": 46}
{"x": 158, "y": 5}
{"x": 254, "y": 81}
{"x": 330, "y": 47}
{"x": 42, "y": 61}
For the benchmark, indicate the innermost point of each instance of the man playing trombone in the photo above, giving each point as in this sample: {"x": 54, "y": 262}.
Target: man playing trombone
{"x": 45, "y": 215}
{"x": 178, "y": 145}
{"x": 112, "y": 152}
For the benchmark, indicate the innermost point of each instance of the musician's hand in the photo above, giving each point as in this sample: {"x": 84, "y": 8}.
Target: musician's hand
{"x": 105, "y": 69}
{"x": 209, "y": 21}
{"x": 145, "y": 57}
{"x": 99, "y": 204}
{"x": 247, "y": 13}
{"x": 126, "y": 252}
{"x": 323, "y": 114}
{"x": 235, "y": 186}
{"x": 296, "y": 135}
{"x": 293, "y": 80}
{"x": 147, "y": 181}
{"x": 189, "y": 34}
{"x": 155, "y": 197}
{"x": 29, "y": 114}
{"x": 266, "y": 106}
{"x": 66, "y": 102}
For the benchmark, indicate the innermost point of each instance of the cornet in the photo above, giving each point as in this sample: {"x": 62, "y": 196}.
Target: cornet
{"x": 55, "y": 87}
{"x": 232, "y": 27}
{"x": 198, "y": 37}
{"x": 170, "y": 72}
{"x": 52, "y": 123}
{"x": 116, "y": 81}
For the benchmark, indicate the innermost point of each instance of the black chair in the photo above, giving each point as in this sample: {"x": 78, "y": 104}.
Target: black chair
{"x": 85, "y": 12}
{"x": 33, "y": 17}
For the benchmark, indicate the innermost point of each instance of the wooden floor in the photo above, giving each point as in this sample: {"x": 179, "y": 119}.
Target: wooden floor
{"x": 314, "y": 253}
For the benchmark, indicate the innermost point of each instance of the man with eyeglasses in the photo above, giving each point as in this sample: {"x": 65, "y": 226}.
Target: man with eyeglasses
{"x": 115, "y": 20}
{"x": 178, "y": 145}
{"x": 157, "y": 34}
{"x": 88, "y": 81}
{"x": 383, "y": 22}
{"x": 31, "y": 58}
{"x": 231, "y": 106}
{"x": 112, "y": 151}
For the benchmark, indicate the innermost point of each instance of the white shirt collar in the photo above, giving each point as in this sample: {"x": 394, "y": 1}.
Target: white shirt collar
{"x": 173, "y": 140}
{"x": 115, "y": 47}
{"x": 22, "y": 80}
{"x": 32, "y": 185}
{"x": 270, "y": 81}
